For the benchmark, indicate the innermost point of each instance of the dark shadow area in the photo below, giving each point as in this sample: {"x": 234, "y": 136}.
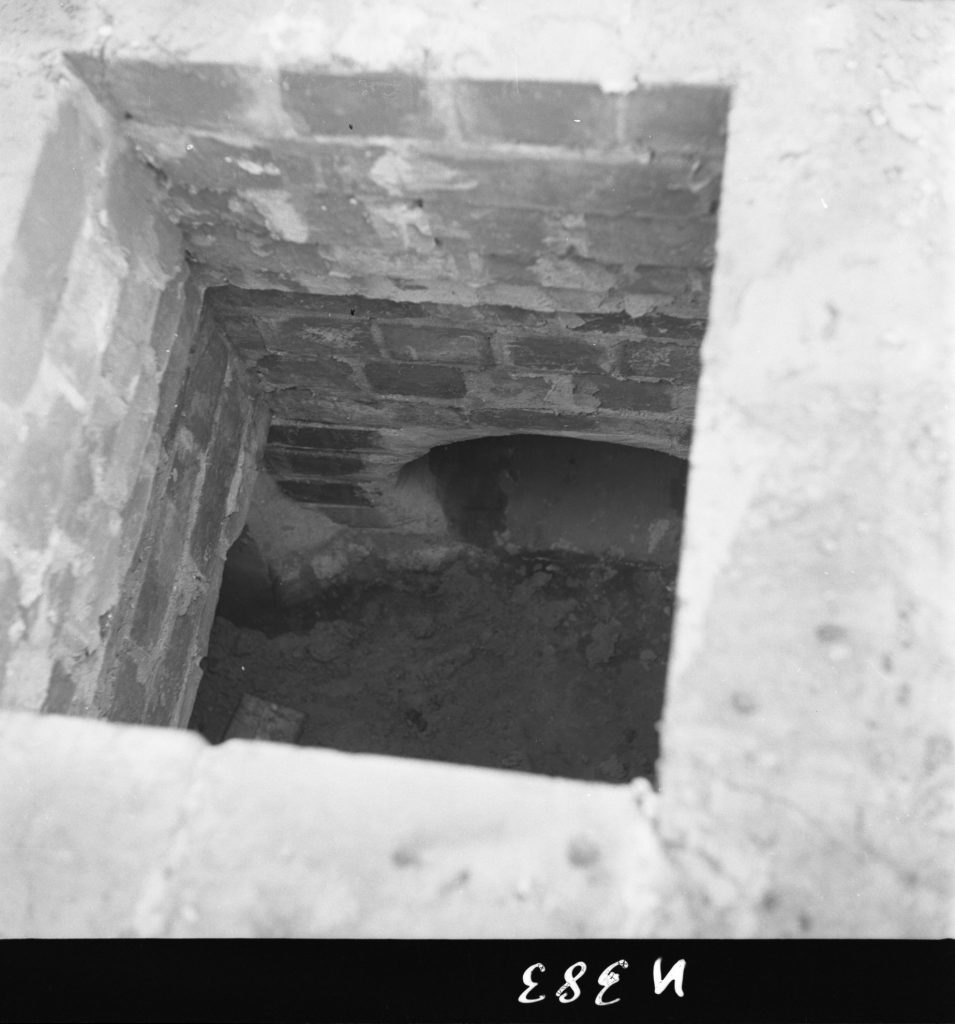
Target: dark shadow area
{"x": 540, "y": 644}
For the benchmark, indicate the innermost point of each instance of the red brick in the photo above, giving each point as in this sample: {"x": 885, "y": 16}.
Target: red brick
{"x": 555, "y": 353}
{"x": 631, "y": 395}
{"x": 681, "y": 118}
{"x": 183, "y": 95}
{"x": 433, "y": 344}
{"x": 357, "y": 105}
{"x": 537, "y": 113}
{"x": 318, "y": 436}
{"x": 424, "y": 380}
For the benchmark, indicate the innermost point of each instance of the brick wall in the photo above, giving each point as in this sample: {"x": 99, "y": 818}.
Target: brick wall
{"x": 104, "y": 402}
{"x": 209, "y": 445}
{"x": 357, "y": 387}
{"x": 92, "y": 300}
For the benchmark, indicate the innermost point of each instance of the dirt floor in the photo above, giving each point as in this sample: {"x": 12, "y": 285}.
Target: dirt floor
{"x": 551, "y": 663}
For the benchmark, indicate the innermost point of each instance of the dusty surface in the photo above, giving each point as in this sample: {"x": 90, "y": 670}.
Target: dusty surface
{"x": 552, "y": 664}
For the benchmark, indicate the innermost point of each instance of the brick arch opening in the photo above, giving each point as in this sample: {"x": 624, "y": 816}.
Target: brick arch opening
{"x": 523, "y": 622}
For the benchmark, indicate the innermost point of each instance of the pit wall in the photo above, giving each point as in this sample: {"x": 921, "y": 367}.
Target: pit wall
{"x": 103, "y": 409}
{"x": 92, "y": 306}
{"x": 807, "y": 775}
{"x": 212, "y": 435}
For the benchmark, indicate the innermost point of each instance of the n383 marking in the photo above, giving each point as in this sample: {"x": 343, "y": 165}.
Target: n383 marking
{"x": 570, "y": 990}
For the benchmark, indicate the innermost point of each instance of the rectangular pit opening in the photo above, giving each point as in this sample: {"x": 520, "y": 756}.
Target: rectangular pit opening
{"x": 475, "y": 351}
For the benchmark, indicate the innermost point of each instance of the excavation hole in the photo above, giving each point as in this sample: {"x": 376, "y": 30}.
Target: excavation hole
{"x": 531, "y": 633}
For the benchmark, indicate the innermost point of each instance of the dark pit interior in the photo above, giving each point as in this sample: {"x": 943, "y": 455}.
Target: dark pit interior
{"x": 472, "y": 313}
{"x": 532, "y": 634}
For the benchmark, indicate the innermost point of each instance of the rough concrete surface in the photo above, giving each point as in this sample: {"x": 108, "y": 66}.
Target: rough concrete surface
{"x": 807, "y": 769}
{"x": 150, "y": 833}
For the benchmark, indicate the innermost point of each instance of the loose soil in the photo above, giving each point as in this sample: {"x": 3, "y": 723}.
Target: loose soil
{"x": 549, "y": 663}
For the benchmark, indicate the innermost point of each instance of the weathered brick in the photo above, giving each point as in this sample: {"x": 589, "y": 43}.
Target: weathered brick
{"x": 632, "y": 395}
{"x": 221, "y": 465}
{"x": 661, "y": 188}
{"x": 527, "y": 419}
{"x": 675, "y": 241}
{"x": 420, "y": 379}
{"x": 356, "y": 105}
{"x": 608, "y": 323}
{"x": 678, "y": 363}
{"x": 307, "y": 462}
{"x": 210, "y": 163}
{"x": 203, "y": 388}
{"x": 489, "y": 230}
{"x": 50, "y": 224}
{"x": 322, "y": 492}
{"x": 313, "y": 334}
{"x": 183, "y": 95}
{"x": 241, "y": 330}
{"x": 537, "y": 113}
{"x": 433, "y": 344}
{"x": 46, "y": 457}
{"x": 503, "y": 385}
{"x": 318, "y": 436}
{"x": 60, "y": 690}
{"x": 318, "y": 372}
{"x": 659, "y": 325}
{"x": 360, "y": 518}
{"x": 568, "y": 354}
{"x": 677, "y": 117}
{"x": 9, "y": 609}
{"x": 129, "y": 694}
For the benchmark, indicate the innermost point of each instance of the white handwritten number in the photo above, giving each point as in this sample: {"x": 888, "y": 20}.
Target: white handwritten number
{"x": 607, "y": 978}
{"x": 525, "y": 997}
{"x": 570, "y": 990}
{"x": 675, "y": 975}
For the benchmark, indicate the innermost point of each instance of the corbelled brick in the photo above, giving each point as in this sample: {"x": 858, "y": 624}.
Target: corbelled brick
{"x": 307, "y": 462}
{"x": 311, "y": 435}
{"x": 323, "y": 492}
{"x": 567, "y": 354}
{"x": 430, "y": 344}
{"x": 528, "y": 419}
{"x": 537, "y": 113}
{"x": 357, "y": 105}
{"x": 421, "y": 379}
